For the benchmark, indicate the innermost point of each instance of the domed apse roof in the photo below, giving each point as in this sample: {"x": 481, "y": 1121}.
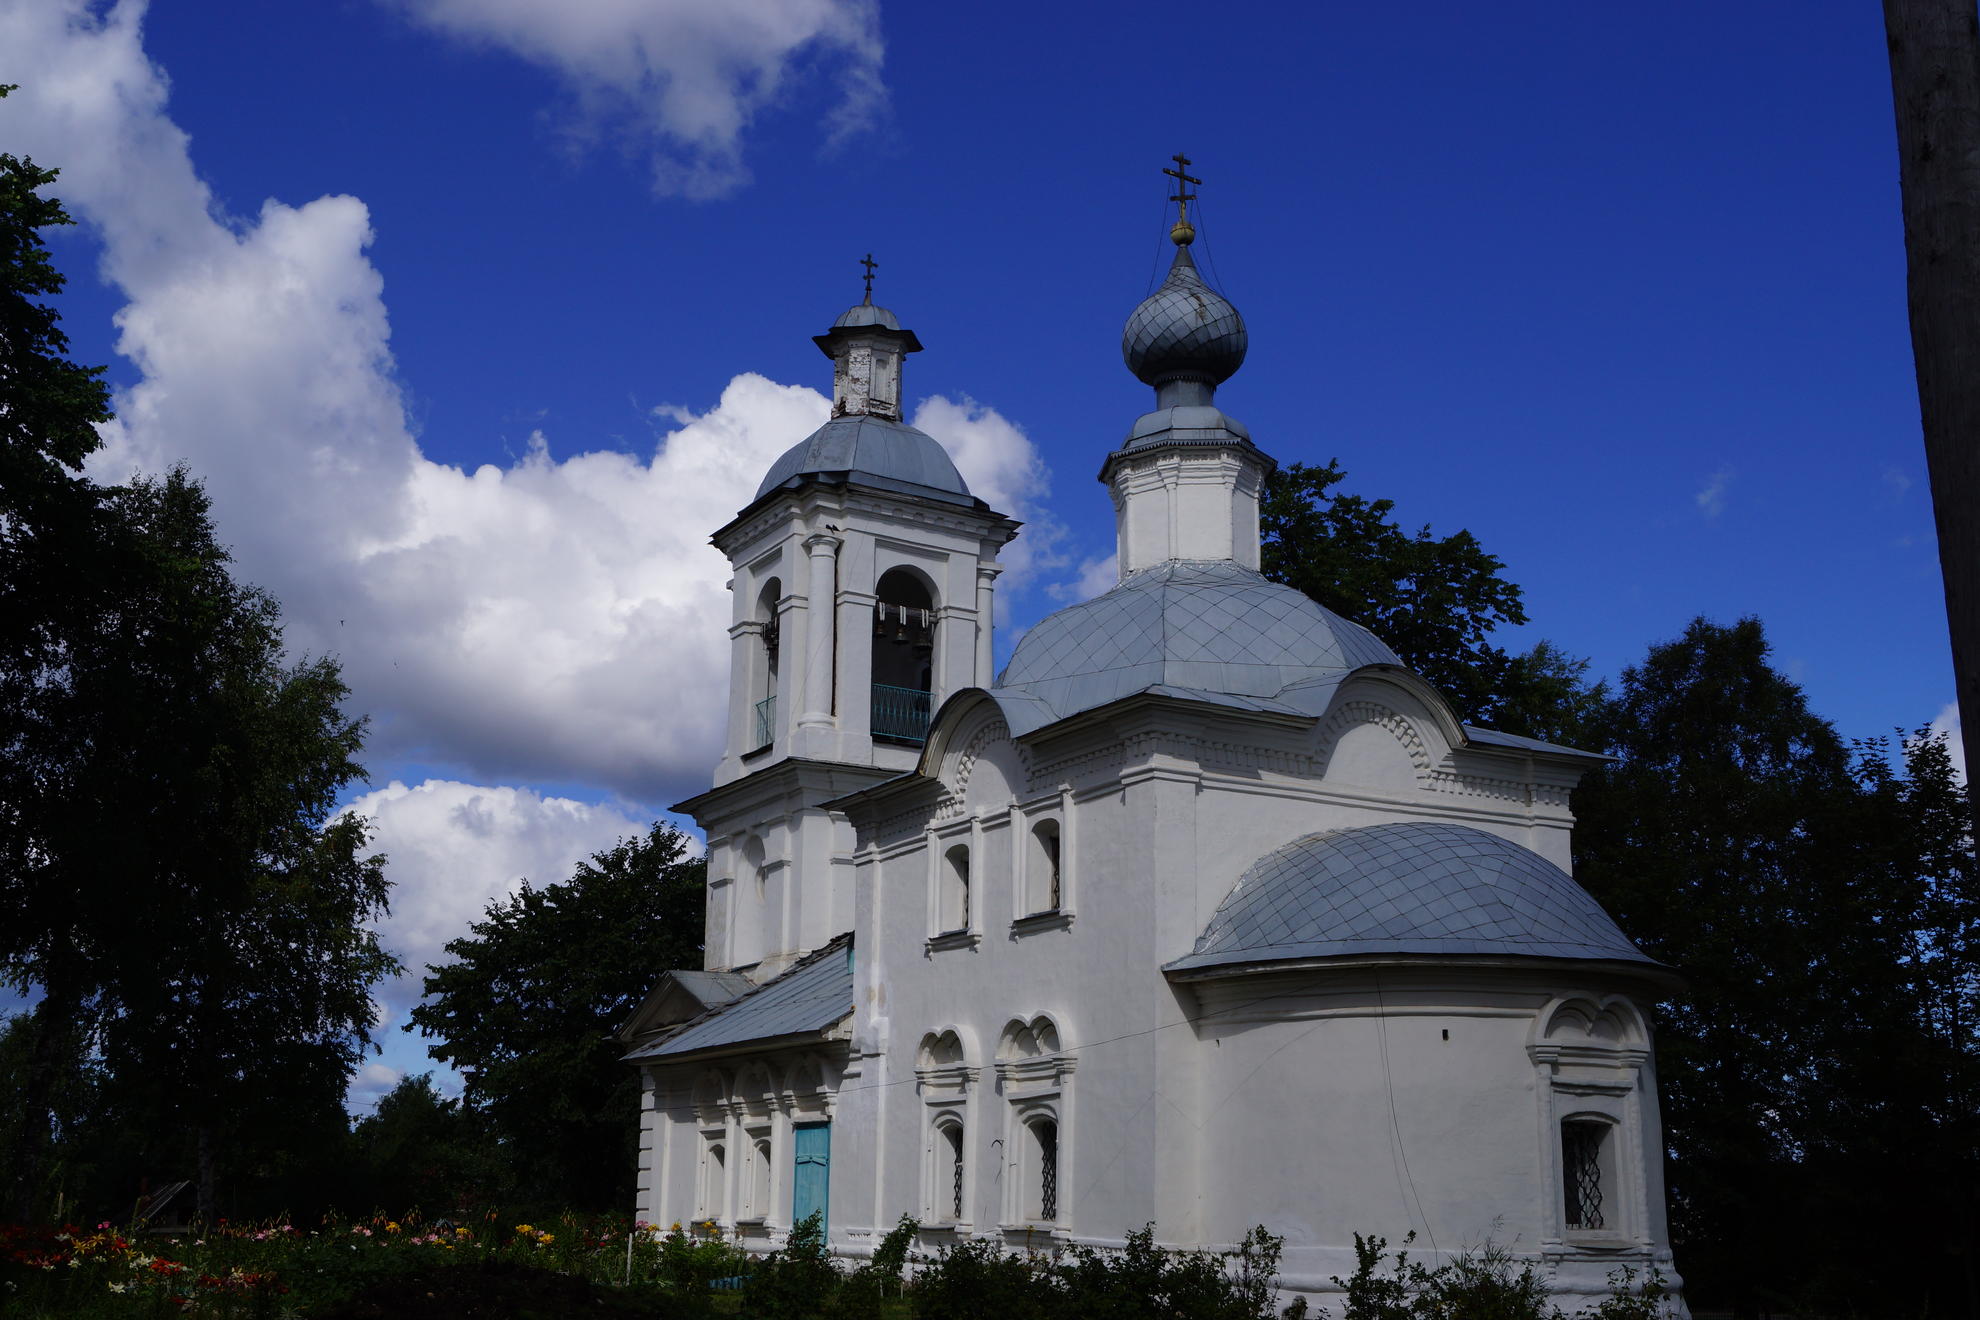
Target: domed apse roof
{"x": 872, "y": 449}
{"x": 1185, "y": 330}
{"x": 1196, "y": 627}
{"x": 860, "y": 315}
{"x": 1406, "y": 888}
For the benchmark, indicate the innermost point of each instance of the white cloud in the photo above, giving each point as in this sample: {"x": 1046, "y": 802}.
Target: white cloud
{"x": 1711, "y": 499}
{"x": 1947, "y": 724}
{"x": 1002, "y": 468}
{"x": 452, "y": 848}
{"x": 685, "y": 78}
{"x": 370, "y": 1086}
{"x": 1095, "y": 576}
{"x": 556, "y": 619}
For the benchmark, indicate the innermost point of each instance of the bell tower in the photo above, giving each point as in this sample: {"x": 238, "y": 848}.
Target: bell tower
{"x": 863, "y": 590}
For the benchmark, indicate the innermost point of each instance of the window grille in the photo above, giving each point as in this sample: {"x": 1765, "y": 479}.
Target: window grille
{"x": 955, "y": 1192}
{"x": 1581, "y": 1172}
{"x": 766, "y": 721}
{"x": 1048, "y": 1171}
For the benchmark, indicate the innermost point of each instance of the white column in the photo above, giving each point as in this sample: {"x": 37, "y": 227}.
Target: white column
{"x": 821, "y": 630}
{"x": 986, "y": 603}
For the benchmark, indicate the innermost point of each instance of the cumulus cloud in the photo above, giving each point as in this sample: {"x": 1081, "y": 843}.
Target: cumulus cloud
{"x": 370, "y": 1085}
{"x": 684, "y": 78}
{"x": 1094, "y": 576}
{"x": 555, "y": 619}
{"x": 1711, "y": 498}
{"x": 453, "y": 848}
{"x": 1003, "y": 469}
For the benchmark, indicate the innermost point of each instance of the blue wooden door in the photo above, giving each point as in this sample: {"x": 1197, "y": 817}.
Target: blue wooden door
{"x": 811, "y": 1181}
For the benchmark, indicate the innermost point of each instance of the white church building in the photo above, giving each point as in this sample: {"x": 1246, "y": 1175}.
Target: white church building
{"x": 1206, "y": 911}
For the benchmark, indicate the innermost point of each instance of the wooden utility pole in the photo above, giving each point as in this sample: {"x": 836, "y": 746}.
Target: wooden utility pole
{"x": 1935, "y": 86}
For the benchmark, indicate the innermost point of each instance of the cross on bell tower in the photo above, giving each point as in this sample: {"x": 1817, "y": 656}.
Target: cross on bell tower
{"x": 871, "y": 266}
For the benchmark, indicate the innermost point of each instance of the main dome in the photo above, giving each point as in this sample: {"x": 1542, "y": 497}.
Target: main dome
{"x": 1198, "y": 627}
{"x": 1409, "y": 887}
{"x": 875, "y": 450}
{"x": 1185, "y": 330}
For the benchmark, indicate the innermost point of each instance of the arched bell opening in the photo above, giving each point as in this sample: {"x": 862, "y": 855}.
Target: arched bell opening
{"x": 764, "y": 680}
{"x": 903, "y": 656}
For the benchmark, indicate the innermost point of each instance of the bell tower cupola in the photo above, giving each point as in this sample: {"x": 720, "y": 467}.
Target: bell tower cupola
{"x": 866, "y": 346}
{"x": 1186, "y": 481}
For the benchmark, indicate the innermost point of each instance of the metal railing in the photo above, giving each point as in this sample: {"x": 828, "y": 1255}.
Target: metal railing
{"x": 900, "y": 713}
{"x": 766, "y": 722}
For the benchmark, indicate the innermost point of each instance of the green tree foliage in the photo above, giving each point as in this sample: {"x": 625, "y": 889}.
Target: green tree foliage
{"x": 1816, "y": 1073}
{"x": 419, "y": 1151}
{"x": 172, "y": 887}
{"x": 1435, "y": 600}
{"x": 52, "y": 405}
{"x": 183, "y": 897}
{"x": 527, "y": 1006}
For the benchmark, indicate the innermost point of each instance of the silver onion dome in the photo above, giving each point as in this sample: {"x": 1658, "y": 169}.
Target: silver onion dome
{"x": 1185, "y": 330}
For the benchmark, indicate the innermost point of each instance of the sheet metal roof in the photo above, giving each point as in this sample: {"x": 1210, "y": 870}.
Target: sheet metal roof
{"x": 1413, "y": 887}
{"x": 860, "y": 445}
{"x": 810, "y": 997}
{"x": 1194, "y": 627}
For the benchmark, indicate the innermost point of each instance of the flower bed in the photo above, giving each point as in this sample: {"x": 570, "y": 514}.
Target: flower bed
{"x": 278, "y": 1269}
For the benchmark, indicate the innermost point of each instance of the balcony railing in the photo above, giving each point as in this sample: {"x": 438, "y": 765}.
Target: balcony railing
{"x": 766, "y": 723}
{"x": 900, "y": 714}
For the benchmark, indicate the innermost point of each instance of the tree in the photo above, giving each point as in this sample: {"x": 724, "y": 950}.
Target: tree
{"x": 1806, "y": 1100}
{"x": 419, "y": 1150}
{"x": 180, "y": 895}
{"x": 1934, "y": 48}
{"x": 1434, "y": 600}
{"x": 526, "y": 1009}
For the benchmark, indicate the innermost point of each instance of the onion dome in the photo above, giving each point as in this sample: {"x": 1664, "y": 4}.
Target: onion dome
{"x": 1185, "y": 330}
{"x": 1409, "y": 887}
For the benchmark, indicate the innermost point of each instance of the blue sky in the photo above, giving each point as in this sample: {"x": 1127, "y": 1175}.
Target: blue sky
{"x": 1618, "y": 288}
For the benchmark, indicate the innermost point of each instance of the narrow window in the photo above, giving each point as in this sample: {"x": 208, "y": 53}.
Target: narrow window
{"x": 760, "y": 1180}
{"x": 949, "y": 1187}
{"x": 1043, "y": 882}
{"x": 1045, "y": 1150}
{"x": 716, "y": 1179}
{"x": 1581, "y": 1171}
{"x": 955, "y": 889}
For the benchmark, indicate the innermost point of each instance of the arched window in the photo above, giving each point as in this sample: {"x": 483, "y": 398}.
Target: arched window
{"x": 1043, "y": 889}
{"x": 946, "y": 1197}
{"x": 903, "y": 656}
{"x": 1585, "y": 1179}
{"x": 1041, "y": 1174}
{"x": 763, "y": 721}
{"x": 714, "y": 1182}
{"x": 759, "y": 1179}
{"x": 955, "y": 889}
{"x": 1592, "y": 1056}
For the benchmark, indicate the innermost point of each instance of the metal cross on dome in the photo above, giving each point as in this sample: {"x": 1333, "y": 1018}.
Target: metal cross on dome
{"x": 1183, "y": 196}
{"x": 871, "y": 266}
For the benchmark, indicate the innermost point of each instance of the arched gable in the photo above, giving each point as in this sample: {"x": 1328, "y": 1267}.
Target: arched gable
{"x": 970, "y": 751}
{"x": 1032, "y": 1039}
{"x": 1386, "y": 730}
{"x": 1582, "y": 1022}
